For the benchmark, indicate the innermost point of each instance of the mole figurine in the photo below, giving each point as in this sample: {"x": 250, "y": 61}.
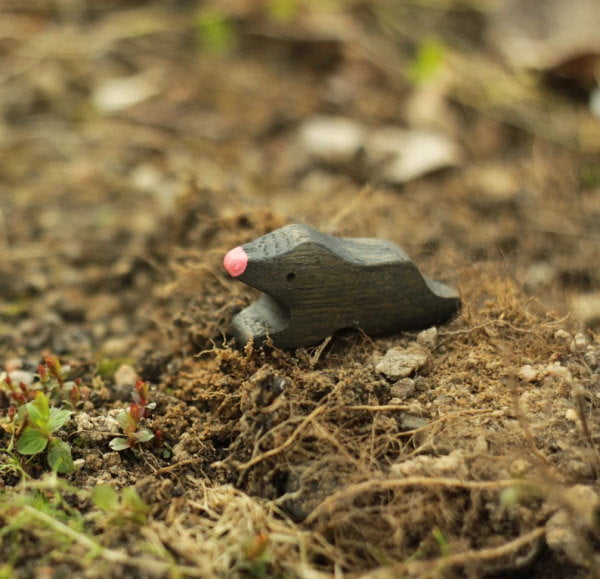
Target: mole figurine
{"x": 315, "y": 284}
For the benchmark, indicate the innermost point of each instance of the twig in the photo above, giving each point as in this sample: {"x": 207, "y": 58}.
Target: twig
{"x": 316, "y": 354}
{"x": 451, "y": 415}
{"x": 354, "y": 490}
{"x": 377, "y": 407}
{"x": 475, "y": 555}
{"x": 349, "y": 208}
{"x": 288, "y": 442}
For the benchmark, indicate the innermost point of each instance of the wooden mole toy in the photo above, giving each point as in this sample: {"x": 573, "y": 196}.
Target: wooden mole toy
{"x": 315, "y": 284}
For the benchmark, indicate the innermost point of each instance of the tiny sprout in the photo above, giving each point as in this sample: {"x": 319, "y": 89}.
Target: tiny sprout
{"x": 42, "y": 371}
{"x": 140, "y": 396}
{"x": 129, "y": 421}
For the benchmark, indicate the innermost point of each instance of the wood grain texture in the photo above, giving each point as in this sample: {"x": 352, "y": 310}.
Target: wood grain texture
{"x": 315, "y": 284}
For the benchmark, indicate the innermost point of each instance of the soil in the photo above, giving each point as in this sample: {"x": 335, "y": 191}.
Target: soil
{"x": 114, "y": 220}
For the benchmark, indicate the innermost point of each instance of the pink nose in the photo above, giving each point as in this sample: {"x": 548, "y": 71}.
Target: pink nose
{"x": 235, "y": 261}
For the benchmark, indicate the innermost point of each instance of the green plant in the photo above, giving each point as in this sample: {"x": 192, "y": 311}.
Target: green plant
{"x": 216, "y": 31}
{"x": 282, "y": 10}
{"x": 37, "y": 422}
{"x": 107, "y": 367}
{"x": 51, "y": 379}
{"x": 590, "y": 175}
{"x": 257, "y": 559}
{"x": 129, "y": 420}
{"x": 10, "y": 464}
{"x": 442, "y": 542}
{"x": 50, "y": 510}
{"x": 427, "y": 62}
{"x": 34, "y": 414}
{"x": 129, "y": 507}
{"x": 140, "y": 396}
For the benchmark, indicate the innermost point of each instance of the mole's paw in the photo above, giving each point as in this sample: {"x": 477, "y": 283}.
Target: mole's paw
{"x": 265, "y": 318}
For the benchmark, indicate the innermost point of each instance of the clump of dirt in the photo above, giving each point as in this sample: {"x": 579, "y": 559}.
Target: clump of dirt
{"x": 320, "y": 433}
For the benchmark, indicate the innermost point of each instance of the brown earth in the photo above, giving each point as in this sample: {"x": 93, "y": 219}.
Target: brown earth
{"x": 309, "y": 463}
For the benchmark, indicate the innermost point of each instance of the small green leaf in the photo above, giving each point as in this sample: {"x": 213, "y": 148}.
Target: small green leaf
{"x": 428, "y": 61}
{"x": 134, "y": 506}
{"x": 39, "y": 410}
{"x": 216, "y": 32}
{"x": 282, "y": 10}
{"x": 119, "y": 444}
{"x": 57, "y": 418}
{"x": 21, "y": 414}
{"x": 105, "y": 497}
{"x": 442, "y": 542}
{"x": 59, "y": 457}
{"x": 31, "y": 441}
{"x": 144, "y": 435}
{"x": 126, "y": 421}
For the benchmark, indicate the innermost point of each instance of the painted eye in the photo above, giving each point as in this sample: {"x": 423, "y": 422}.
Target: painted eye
{"x": 290, "y": 276}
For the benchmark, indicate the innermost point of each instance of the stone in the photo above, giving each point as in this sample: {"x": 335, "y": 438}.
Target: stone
{"x": 403, "y": 389}
{"x": 405, "y": 155}
{"x": 21, "y": 377}
{"x": 117, "y": 94}
{"x": 579, "y": 343}
{"x": 125, "y": 376}
{"x": 586, "y": 307}
{"x": 332, "y": 139}
{"x": 558, "y": 370}
{"x": 450, "y": 465}
{"x": 528, "y": 373}
{"x": 571, "y": 415}
{"x": 410, "y": 422}
{"x": 562, "y": 335}
{"x": 400, "y": 363}
{"x": 96, "y": 429}
{"x": 561, "y": 534}
{"x": 428, "y": 337}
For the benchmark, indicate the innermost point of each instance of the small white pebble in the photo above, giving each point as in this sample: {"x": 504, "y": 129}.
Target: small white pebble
{"x": 400, "y": 363}
{"x": 562, "y": 335}
{"x": 427, "y": 337}
{"x": 578, "y": 343}
{"x": 571, "y": 415}
{"x": 13, "y": 364}
{"x": 519, "y": 467}
{"x": 21, "y": 377}
{"x": 527, "y": 373}
{"x": 481, "y": 445}
{"x": 556, "y": 369}
{"x": 126, "y": 376}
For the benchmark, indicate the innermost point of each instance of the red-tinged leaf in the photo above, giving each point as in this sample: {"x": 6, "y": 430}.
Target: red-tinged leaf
{"x": 126, "y": 422}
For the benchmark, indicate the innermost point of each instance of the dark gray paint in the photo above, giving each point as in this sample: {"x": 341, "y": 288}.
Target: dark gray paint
{"x": 316, "y": 284}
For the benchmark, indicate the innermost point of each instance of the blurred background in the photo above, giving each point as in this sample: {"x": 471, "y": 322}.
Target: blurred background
{"x": 133, "y": 132}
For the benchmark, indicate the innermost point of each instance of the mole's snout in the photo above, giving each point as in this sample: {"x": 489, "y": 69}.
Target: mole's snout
{"x": 236, "y": 261}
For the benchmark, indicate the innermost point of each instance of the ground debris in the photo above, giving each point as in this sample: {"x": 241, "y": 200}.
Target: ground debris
{"x": 400, "y": 363}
